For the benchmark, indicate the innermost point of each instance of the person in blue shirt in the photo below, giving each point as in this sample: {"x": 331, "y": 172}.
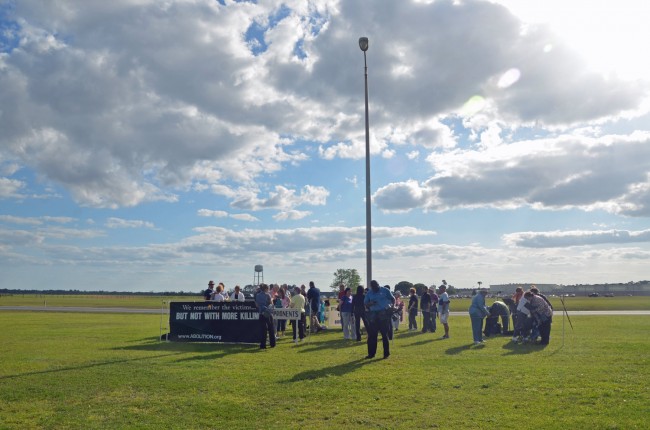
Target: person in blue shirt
{"x": 379, "y": 303}
{"x": 265, "y": 310}
{"x": 478, "y": 311}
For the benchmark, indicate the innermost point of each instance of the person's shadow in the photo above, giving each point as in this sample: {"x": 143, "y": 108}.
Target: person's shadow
{"x": 338, "y": 370}
{"x": 458, "y": 349}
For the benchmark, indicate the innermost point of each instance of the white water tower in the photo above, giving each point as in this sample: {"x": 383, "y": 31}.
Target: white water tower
{"x": 258, "y": 275}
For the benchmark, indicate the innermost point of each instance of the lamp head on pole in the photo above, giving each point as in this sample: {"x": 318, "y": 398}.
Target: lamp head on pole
{"x": 363, "y": 43}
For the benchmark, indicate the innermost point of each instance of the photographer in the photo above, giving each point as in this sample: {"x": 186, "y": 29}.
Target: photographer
{"x": 379, "y": 303}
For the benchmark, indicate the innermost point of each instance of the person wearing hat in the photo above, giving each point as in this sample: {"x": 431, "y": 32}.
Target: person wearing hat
{"x": 207, "y": 294}
{"x": 478, "y": 311}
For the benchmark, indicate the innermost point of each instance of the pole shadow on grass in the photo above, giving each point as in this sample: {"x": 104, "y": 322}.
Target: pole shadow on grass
{"x": 338, "y": 370}
{"x": 208, "y": 350}
{"x": 86, "y": 366}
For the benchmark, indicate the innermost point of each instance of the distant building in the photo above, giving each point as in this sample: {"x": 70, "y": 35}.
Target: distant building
{"x": 641, "y": 288}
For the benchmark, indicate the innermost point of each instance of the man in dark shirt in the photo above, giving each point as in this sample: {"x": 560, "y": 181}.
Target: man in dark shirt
{"x": 313, "y": 295}
{"x": 207, "y": 294}
{"x": 425, "y": 306}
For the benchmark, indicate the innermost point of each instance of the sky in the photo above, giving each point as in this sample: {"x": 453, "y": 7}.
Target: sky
{"x": 150, "y": 145}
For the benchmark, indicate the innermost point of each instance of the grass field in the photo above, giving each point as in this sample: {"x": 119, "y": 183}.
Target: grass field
{"x": 155, "y": 302}
{"x": 62, "y": 370}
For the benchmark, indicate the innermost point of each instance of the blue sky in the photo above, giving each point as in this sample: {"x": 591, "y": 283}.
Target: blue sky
{"x": 153, "y": 146}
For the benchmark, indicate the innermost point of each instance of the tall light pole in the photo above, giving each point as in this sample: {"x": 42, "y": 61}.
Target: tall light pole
{"x": 363, "y": 44}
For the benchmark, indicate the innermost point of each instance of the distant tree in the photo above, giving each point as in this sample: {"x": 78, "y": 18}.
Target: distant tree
{"x": 403, "y": 287}
{"x": 348, "y": 277}
{"x": 419, "y": 288}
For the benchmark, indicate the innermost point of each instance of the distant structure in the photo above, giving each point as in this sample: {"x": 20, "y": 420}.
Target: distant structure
{"x": 258, "y": 275}
{"x": 509, "y": 289}
{"x": 640, "y": 288}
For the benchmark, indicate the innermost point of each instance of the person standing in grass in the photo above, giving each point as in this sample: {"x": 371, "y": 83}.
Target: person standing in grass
{"x": 378, "y": 302}
{"x": 265, "y": 308}
{"x": 413, "y": 310}
{"x": 281, "y": 301}
{"x": 219, "y": 294}
{"x": 434, "y": 307}
{"x": 359, "y": 310}
{"x": 298, "y": 302}
{"x": 443, "y": 309}
{"x": 313, "y": 295}
{"x": 340, "y": 297}
{"x": 207, "y": 294}
{"x": 398, "y": 316}
{"x": 237, "y": 296}
{"x": 478, "y": 311}
{"x": 425, "y": 307}
{"x": 347, "y": 314}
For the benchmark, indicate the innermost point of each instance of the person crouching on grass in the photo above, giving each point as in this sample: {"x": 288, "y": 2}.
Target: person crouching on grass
{"x": 542, "y": 313}
{"x": 378, "y": 301}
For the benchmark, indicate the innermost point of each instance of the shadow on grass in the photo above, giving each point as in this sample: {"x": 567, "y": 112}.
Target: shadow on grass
{"x": 86, "y": 366}
{"x": 521, "y": 349}
{"x": 458, "y": 349}
{"x": 318, "y": 344}
{"x": 338, "y": 370}
{"x": 208, "y": 350}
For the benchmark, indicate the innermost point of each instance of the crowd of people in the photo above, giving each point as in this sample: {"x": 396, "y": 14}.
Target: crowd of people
{"x": 379, "y": 311}
{"x": 531, "y": 313}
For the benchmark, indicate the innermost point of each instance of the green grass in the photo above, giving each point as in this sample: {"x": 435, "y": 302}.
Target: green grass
{"x": 61, "y": 370}
{"x": 96, "y": 301}
{"x": 155, "y": 302}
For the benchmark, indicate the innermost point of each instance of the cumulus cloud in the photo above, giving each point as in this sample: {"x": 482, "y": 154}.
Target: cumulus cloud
{"x": 284, "y": 198}
{"x": 35, "y": 220}
{"x": 244, "y": 217}
{"x": 153, "y": 97}
{"x": 554, "y": 239}
{"x": 124, "y": 223}
{"x": 291, "y": 215}
{"x": 569, "y": 171}
{"x": 10, "y": 188}
{"x": 211, "y": 213}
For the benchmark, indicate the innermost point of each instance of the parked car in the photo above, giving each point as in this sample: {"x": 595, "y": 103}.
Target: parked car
{"x": 609, "y": 295}
{"x": 594, "y": 295}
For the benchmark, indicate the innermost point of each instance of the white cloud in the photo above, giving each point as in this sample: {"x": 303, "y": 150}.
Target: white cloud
{"x": 123, "y": 223}
{"x": 121, "y": 104}
{"x": 211, "y": 213}
{"x": 244, "y": 217}
{"x": 589, "y": 173}
{"x": 10, "y": 188}
{"x": 291, "y": 215}
{"x": 35, "y": 220}
{"x": 554, "y": 239}
{"x": 284, "y": 198}
{"x": 21, "y": 220}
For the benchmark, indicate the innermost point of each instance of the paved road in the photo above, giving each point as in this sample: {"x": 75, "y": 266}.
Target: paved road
{"x": 166, "y": 310}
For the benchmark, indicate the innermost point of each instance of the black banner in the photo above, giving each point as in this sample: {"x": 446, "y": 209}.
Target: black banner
{"x": 236, "y": 322}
